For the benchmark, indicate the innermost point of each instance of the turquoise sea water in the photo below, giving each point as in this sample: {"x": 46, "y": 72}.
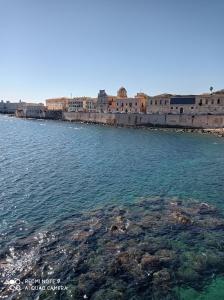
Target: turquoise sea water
{"x": 50, "y": 170}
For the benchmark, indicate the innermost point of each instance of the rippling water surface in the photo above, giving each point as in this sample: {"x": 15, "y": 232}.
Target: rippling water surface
{"x": 52, "y": 170}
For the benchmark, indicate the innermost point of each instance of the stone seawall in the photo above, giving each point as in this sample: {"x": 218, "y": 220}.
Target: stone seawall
{"x": 185, "y": 121}
{"x": 49, "y": 114}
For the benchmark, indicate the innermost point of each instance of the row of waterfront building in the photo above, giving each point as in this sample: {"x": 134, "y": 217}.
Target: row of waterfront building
{"x": 141, "y": 103}
{"x": 212, "y": 103}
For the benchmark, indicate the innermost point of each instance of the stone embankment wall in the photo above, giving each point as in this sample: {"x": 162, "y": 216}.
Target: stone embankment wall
{"x": 164, "y": 120}
{"x": 186, "y": 121}
{"x": 48, "y": 114}
{"x": 53, "y": 114}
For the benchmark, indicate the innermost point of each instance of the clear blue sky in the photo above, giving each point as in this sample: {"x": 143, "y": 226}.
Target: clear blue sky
{"x": 54, "y": 47}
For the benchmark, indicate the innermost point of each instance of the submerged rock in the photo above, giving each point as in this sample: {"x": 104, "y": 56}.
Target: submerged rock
{"x": 120, "y": 225}
{"x": 166, "y": 255}
{"x": 205, "y": 208}
{"x": 142, "y": 251}
{"x": 150, "y": 261}
{"x": 161, "y": 277}
{"x": 181, "y": 218}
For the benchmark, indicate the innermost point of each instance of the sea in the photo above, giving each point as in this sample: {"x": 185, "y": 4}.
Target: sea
{"x": 53, "y": 171}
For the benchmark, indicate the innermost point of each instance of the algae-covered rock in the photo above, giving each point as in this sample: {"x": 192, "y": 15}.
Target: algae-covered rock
{"x": 166, "y": 256}
{"x": 145, "y": 250}
{"x": 181, "y": 218}
{"x": 205, "y": 208}
{"x": 109, "y": 294}
{"x": 161, "y": 277}
{"x": 188, "y": 275}
{"x": 149, "y": 261}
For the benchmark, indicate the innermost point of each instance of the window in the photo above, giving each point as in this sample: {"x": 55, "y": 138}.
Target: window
{"x": 212, "y": 101}
{"x": 155, "y": 102}
{"x": 117, "y": 103}
{"x": 218, "y": 101}
{"x": 200, "y": 102}
{"x": 160, "y": 102}
{"x": 176, "y": 107}
{"x": 122, "y": 104}
{"x": 192, "y": 107}
{"x": 206, "y": 101}
{"x": 136, "y": 103}
{"x": 171, "y": 107}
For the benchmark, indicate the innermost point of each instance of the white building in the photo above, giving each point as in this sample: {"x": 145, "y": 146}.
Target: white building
{"x": 9, "y": 107}
{"x": 82, "y": 104}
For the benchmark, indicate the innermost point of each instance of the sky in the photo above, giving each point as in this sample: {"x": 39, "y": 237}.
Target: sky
{"x": 54, "y": 48}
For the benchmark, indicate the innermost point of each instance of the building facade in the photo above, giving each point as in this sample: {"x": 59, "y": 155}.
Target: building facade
{"x": 187, "y": 104}
{"x": 104, "y": 101}
{"x": 122, "y": 103}
{"x": 76, "y": 104}
{"x": 142, "y": 103}
{"x": 57, "y": 103}
{"x": 9, "y": 107}
{"x": 35, "y": 110}
{"x": 82, "y": 104}
{"x": 210, "y": 103}
{"x": 90, "y": 104}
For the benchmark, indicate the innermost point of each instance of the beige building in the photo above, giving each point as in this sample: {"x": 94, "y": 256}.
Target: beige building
{"x": 210, "y": 103}
{"x": 122, "y": 103}
{"x": 57, "y": 103}
{"x": 125, "y": 104}
{"x": 159, "y": 104}
{"x": 187, "y": 104}
{"x": 130, "y": 105}
{"x": 169, "y": 104}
